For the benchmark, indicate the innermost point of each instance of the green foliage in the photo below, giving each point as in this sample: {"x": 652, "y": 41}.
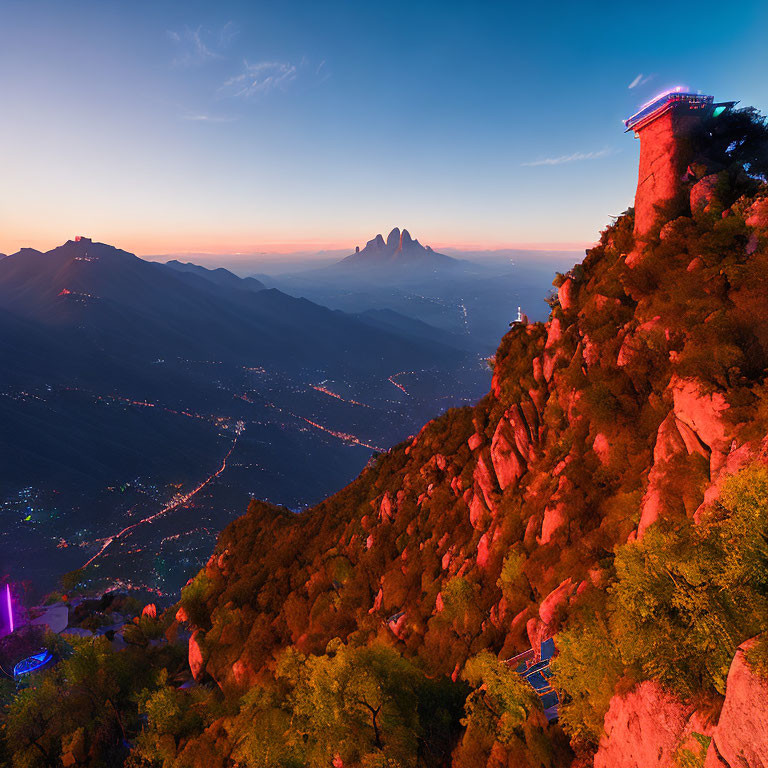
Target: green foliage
{"x": 512, "y": 581}
{"x": 72, "y": 580}
{"x": 173, "y": 716}
{"x": 586, "y": 670}
{"x": 193, "y": 597}
{"x": 502, "y": 714}
{"x": 736, "y": 139}
{"x": 692, "y": 755}
{"x": 681, "y": 602}
{"x": 364, "y": 706}
{"x": 83, "y": 708}
{"x": 501, "y": 702}
{"x": 462, "y": 612}
{"x": 684, "y": 599}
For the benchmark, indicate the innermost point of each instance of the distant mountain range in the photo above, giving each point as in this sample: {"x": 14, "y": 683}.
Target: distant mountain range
{"x": 116, "y": 372}
{"x": 104, "y": 296}
{"x": 220, "y": 276}
{"x": 471, "y": 300}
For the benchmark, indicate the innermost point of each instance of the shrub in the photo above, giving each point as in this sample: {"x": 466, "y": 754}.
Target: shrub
{"x": 680, "y": 603}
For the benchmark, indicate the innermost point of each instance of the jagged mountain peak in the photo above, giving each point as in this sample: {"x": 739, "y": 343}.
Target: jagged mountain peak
{"x": 399, "y": 249}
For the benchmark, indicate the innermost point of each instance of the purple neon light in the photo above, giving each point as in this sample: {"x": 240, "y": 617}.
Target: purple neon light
{"x": 8, "y": 605}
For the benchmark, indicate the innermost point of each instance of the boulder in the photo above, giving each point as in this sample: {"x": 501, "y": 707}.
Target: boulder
{"x": 507, "y": 462}
{"x": 704, "y": 193}
{"x": 554, "y": 332}
{"x": 704, "y": 412}
{"x": 524, "y": 419}
{"x": 475, "y": 441}
{"x": 556, "y": 511}
{"x": 196, "y": 659}
{"x": 636, "y": 344}
{"x": 386, "y": 507}
{"x": 741, "y": 735}
{"x": 551, "y": 605}
{"x": 555, "y": 516}
{"x": 590, "y": 352}
{"x": 483, "y": 552}
{"x": 242, "y": 673}
{"x": 645, "y": 728}
{"x": 514, "y": 443}
{"x": 551, "y": 610}
{"x": 602, "y": 448}
{"x": 397, "y": 624}
{"x": 377, "y": 601}
{"x": 739, "y": 457}
{"x": 566, "y": 294}
{"x": 485, "y": 481}
{"x": 757, "y": 215}
{"x": 479, "y": 516}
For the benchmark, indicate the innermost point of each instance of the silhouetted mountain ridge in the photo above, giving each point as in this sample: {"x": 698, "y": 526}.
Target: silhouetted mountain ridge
{"x": 158, "y": 310}
{"x": 219, "y": 275}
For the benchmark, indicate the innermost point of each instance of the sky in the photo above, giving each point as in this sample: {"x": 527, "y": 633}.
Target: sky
{"x": 240, "y": 127}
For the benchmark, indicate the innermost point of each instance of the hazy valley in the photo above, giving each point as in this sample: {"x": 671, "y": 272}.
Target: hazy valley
{"x": 127, "y": 384}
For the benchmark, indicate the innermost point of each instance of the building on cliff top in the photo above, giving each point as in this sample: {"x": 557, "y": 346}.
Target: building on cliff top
{"x": 664, "y": 125}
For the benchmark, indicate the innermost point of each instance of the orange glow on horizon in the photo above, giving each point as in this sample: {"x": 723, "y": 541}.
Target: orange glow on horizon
{"x": 244, "y": 248}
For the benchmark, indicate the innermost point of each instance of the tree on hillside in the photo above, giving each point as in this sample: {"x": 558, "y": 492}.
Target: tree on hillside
{"x": 736, "y": 138}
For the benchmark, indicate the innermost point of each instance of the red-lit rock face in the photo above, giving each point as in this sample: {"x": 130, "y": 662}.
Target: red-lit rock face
{"x": 704, "y": 193}
{"x": 196, "y": 660}
{"x": 741, "y": 736}
{"x": 664, "y": 157}
{"x": 645, "y": 729}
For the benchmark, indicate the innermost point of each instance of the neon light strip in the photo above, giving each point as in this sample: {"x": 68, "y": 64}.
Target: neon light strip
{"x": 8, "y": 604}
{"x": 32, "y": 663}
{"x": 676, "y": 89}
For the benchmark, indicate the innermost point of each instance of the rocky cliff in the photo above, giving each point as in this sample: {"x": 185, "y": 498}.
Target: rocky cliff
{"x": 628, "y": 409}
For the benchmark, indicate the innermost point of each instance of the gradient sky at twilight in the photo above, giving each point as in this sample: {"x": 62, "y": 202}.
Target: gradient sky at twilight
{"x": 247, "y": 126}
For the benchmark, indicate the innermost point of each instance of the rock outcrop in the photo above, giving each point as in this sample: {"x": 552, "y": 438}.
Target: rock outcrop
{"x": 741, "y": 735}
{"x": 651, "y": 728}
{"x": 196, "y": 660}
{"x": 646, "y": 728}
{"x": 704, "y": 193}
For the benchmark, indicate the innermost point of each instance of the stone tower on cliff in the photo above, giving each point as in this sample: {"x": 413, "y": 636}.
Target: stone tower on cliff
{"x": 664, "y": 126}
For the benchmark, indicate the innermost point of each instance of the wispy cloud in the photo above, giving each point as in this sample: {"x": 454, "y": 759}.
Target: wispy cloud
{"x": 322, "y": 72}
{"x": 260, "y": 78}
{"x": 641, "y": 79}
{"x": 572, "y": 158}
{"x": 195, "y": 47}
{"x": 202, "y": 117}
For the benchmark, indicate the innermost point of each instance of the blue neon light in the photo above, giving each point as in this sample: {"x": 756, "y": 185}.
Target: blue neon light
{"x": 32, "y": 663}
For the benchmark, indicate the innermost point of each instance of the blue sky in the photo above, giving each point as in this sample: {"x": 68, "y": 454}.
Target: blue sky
{"x": 245, "y": 126}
